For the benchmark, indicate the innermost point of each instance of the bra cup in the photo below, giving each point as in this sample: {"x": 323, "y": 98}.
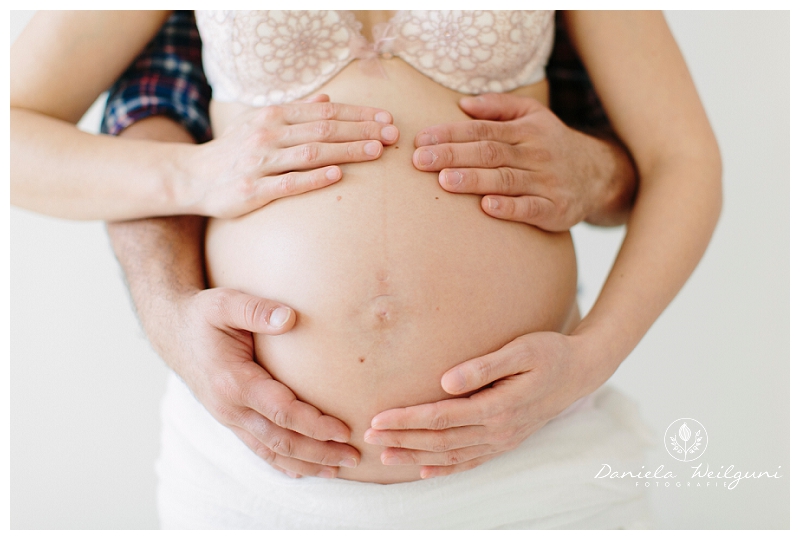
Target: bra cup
{"x": 268, "y": 57}
{"x": 476, "y": 51}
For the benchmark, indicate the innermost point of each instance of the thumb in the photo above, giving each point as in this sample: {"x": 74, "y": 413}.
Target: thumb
{"x": 478, "y": 372}
{"x": 241, "y": 311}
{"x": 502, "y": 107}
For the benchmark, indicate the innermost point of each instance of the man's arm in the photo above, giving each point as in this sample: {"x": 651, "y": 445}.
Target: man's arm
{"x": 205, "y": 337}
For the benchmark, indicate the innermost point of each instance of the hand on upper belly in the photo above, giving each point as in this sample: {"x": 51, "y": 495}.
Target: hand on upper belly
{"x": 530, "y": 166}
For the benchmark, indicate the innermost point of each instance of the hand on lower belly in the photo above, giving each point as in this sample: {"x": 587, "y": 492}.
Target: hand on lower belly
{"x": 533, "y": 379}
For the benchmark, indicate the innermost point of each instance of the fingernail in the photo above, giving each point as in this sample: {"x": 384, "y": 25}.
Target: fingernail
{"x": 427, "y": 139}
{"x": 426, "y": 474}
{"x": 371, "y": 439}
{"x": 332, "y": 173}
{"x": 453, "y": 178}
{"x": 391, "y": 460}
{"x": 340, "y": 438}
{"x": 372, "y": 148}
{"x": 389, "y": 133}
{"x": 459, "y": 381}
{"x": 279, "y": 316}
{"x": 494, "y": 204}
{"x": 349, "y": 463}
{"x": 426, "y": 157}
{"x": 383, "y": 117}
{"x": 326, "y": 473}
{"x": 291, "y": 474}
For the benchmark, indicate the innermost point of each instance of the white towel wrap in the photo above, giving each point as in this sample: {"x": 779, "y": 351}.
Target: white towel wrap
{"x": 208, "y": 479}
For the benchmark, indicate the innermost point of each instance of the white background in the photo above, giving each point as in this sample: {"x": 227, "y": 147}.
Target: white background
{"x": 85, "y": 385}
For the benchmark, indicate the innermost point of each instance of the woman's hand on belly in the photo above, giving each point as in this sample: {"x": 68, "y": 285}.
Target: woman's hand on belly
{"x": 533, "y": 379}
{"x": 531, "y": 166}
{"x": 279, "y": 151}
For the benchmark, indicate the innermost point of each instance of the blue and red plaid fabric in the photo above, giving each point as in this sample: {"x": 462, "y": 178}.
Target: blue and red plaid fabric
{"x": 168, "y": 79}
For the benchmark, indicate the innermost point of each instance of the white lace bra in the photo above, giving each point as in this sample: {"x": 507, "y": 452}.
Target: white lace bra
{"x": 269, "y": 57}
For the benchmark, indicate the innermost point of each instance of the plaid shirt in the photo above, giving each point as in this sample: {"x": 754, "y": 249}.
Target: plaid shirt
{"x": 168, "y": 79}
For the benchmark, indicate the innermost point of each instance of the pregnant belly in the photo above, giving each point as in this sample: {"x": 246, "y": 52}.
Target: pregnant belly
{"x": 394, "y": 282}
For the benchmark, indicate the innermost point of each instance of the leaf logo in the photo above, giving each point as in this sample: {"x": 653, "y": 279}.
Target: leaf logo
{"x": 687, "y": 442}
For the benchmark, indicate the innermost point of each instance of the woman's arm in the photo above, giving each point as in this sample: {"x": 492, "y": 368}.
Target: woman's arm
{"x": 59, "y": 65}
{"x": 649, "y": 96}
{"x": 64, "y": 60}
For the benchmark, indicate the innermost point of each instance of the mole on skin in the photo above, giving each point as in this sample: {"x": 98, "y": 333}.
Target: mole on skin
{"x": 361, "y": 359}
{"x": 339, "y": 197}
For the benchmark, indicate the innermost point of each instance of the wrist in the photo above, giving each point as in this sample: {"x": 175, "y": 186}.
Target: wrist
{"x": 174, "y": 162}
{"x": 599, "y": 355}
{"x": 614, "y": 181}
{"x": 186, "y": 166}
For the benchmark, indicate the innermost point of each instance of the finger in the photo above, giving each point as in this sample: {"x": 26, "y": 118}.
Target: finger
{"x": 238, "y": 310}
{"x": 400, "y": 456}
{"x": 428, "y": 440}
{"x": 430, "y": 472}
{"x": 298, "y": 113}
{"x": 276, "y": 402}
{"x": 502, "y": 180}
{"x": 316, "y": 154}
{"x": 479, "y": 372}
{"x": 503, "y": 107}
{"x": 482, "y": 154}
{"x": 450, "y": 413}
{"x": 293, "y": 468}
{"x": 316, "y": 98}
{"x": 293, "y": 445}
{"x": 525, "y": 209}
{"x": 338, "y": 131}
{"x": 469, "y": 131}
{"x": 271, "y": 188}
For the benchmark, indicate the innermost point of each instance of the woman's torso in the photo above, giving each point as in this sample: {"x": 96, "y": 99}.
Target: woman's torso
{"x": 394, "y": 280}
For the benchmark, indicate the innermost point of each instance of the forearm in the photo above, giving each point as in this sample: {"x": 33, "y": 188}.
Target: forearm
{"x": 670, "y": 226}
{"x": 162, "y": 258}
{"x": 59, "y": 170}
{"x": 615, "y": 184}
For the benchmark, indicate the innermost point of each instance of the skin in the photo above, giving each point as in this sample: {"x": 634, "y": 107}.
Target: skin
{"x": 646, "y": 88}
{"x": 675, "y": 212}
{"x": 167, "y": 282}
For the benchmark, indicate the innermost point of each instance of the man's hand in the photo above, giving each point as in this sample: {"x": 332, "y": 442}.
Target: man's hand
{"x": 214, "y": 355}
{"x": 205, "y": 336}
{"x": 529, "y": 165}
{"x": 532, "y": 379}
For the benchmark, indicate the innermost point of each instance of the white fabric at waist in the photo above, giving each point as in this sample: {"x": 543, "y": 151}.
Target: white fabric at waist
{"x": 547, "y": 481}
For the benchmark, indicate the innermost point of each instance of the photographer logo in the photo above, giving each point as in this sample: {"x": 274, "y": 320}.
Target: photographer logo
{"x": 686, "y": 439}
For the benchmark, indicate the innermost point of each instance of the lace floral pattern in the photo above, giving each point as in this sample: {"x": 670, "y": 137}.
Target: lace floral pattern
{"x": 477, "y": 51}
{"x": 276, "y": 56}
{"x": 269, "y": 57}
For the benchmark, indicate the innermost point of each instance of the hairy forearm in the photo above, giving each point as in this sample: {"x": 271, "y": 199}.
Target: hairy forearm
{"x": 59, "y": 170}
{"x": 162, "y": 258}
{"x": 616, "y": 182}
